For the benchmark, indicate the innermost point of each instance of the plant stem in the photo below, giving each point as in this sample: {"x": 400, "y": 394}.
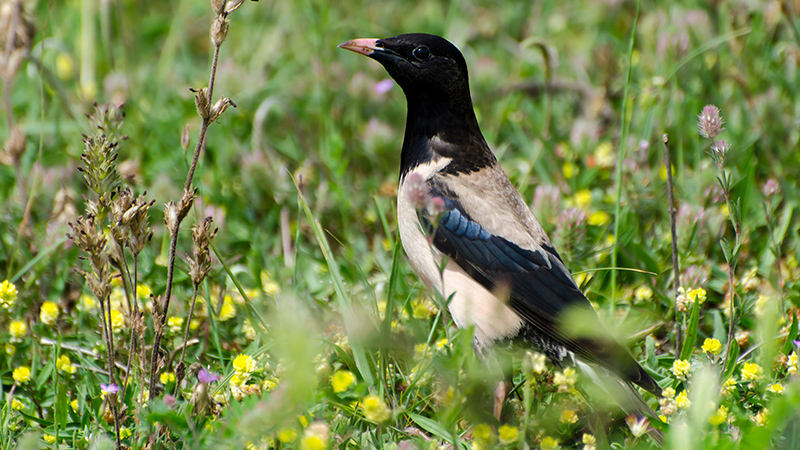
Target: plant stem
{"x": 676, "y": 281}
{"x": 173, "y": 245}
{"x": 620, "y": 160}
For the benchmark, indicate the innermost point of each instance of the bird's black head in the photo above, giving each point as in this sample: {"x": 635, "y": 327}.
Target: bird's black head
{"x": 430, "y": 70}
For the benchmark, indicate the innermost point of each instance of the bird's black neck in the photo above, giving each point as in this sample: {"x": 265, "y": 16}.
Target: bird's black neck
{"x": 450, "y": 119}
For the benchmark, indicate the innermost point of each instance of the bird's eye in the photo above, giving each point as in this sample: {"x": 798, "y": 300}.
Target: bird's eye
{"x": 421, "y": 53}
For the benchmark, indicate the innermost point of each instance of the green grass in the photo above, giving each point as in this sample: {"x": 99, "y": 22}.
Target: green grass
{"x": 300, "y": 179}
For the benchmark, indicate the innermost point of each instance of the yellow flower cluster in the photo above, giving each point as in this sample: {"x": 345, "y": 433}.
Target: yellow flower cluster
{"x": 64, "y": 364}
{"x": 569, "y": 416}
{"x": 8, "y": 294}
{"x": 315, "y": 437}
{"x": 175, "y": 324}
{"x": 375, "y": 409}
{"x": 228, "y": 310}
{"x": 508, "y": 434}
{"x": 17, "y": 329}
{"x": 167, "y": 377}
{"x": 776, "y": 388}
{"x": 687, "y": 298}
{"x": 117, "y": 321}
{"x": 565, "y": 380}
{"x": 682, "y": 400}
{"x": 589, "y": 441}
{"x": 681, "y": 368}
{"x": 752, "y": 372}
{"x": 481, "y": 436}
{"x": 48, "y": 314}
{"x": 791, "y": 364}
{"x": 21, "y": 374}
{"x": 549, "y": 443}
{"x": 720, "y": 417}
{"x": 643, "y": 293}
{"x": 536, "y": 362}
{"x": 341, "y": 380}
{"x": 712, "y": 346}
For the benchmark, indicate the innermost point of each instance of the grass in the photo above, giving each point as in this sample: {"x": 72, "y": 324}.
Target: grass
{"x": 344, "y": 347}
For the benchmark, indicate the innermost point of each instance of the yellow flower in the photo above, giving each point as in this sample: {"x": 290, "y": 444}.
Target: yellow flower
{"x": 598, "y": 218}
{"x": 8, "y": 294}
{"x": 566, "y": 379}
{"x": 303, "y": 420}
{"x": 87, "y": 303}
{"x": 239, "y": 379}
{"x": 50, "y": 439}
{"x": 269, "y": 384}
{"x": 791, "y": 363}
{"x": 682, "y": 400}
{"x": 48, "y": 313}
{"x": 752, "y": 372}
{"x": 719, "y": 417}
{"x": 697, "y": 295}
{"x": 604, "y": 154}
{"x": 117, "y": 321}
{"x": 124, "y": 433}
{"x": 375, "y": 409}
{"x": 248, "y": 330}
{"x": 228, "y": 310}
{"x": 712, "y": 346}
{"x": 681, "y": 368}
{"x": 143, "y": 291}
{"x": 536, "y": 361}
{"x": 175, "y": 324}
{"x": 441, "y": 343}
{"x": 244, "y": 364}
{"x": 569, "y": 169}
{"x": 22, "y": 374}
{"x": 482, "y": 434}
{"x": 581, "y": 199}
{"x": 287, "y": 435}
{"x": 760, "y": 419}
{"x": 423, "y": 308}
{"x": 728, "y": 386}
{"x": 167, "y": 377}
{"x": 588, "y": 439}
{"x": 643, "y": 293}
{"x": 776, "y": 388}
{"x": 508, "y": 434}
{"x": 269, "y": 285}
{"x": 569, "y": 416}
{"x": 341, "y": 380}
{"x": 74, "y": 405}
{"x": 549, "y": 443}
{"x": 315, "y": 437}
{"x": 63, "y": 363}
{"x": 17, "y": 405}
{"x": 17, "y": 329}
{"x": 65, "y": 67}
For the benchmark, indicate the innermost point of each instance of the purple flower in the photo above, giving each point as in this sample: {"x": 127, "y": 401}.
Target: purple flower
{"x": 709, "y": 122}
{"x": 384, "y": 86}
{"x": 796, "y": 344}
{"x": 109, "y": 389}
{"x": 207, "y": 377}
{"x": 770, "y": 188}
{"x": 170, "y": 401}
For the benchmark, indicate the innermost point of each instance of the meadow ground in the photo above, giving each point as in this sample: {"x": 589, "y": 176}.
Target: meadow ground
{"x": 310, "y": 331}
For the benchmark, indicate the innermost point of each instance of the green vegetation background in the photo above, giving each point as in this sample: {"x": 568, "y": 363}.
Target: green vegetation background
{"x": 310, "y": 112}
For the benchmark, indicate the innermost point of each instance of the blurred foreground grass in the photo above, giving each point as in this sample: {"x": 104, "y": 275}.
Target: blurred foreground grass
{"x": 355, "y": 354}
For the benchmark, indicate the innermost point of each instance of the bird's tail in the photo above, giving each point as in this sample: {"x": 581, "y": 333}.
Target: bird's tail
{"x": 625, "y": 395}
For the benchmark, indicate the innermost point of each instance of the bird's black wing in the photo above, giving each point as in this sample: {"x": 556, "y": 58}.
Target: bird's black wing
{"x": 539, "y": 287}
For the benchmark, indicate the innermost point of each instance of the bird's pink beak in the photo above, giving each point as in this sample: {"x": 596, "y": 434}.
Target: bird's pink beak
{"x": 365, "y": 46}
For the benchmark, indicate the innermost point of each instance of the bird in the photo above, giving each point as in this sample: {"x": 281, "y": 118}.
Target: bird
{"x": 501, "y": 274}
